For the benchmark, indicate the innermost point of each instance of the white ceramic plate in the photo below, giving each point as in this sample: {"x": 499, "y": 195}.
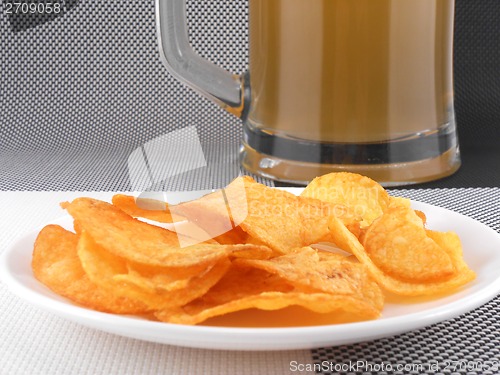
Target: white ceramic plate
{"x": 481, "y": 250}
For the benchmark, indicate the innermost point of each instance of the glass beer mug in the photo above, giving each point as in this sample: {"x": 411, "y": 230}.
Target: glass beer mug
{"x": 364, "y": 86}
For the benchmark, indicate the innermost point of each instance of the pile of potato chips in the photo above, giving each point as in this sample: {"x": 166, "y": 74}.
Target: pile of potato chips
{"x": 339, "y": 247}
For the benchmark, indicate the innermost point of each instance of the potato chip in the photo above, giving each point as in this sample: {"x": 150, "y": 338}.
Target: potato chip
{"x": 450, "y": 242}
{"x": 144, "y": 208}
{"x": 112, "y": 273}
{"x": 56, "y": 264}
{"x": 317, "y": 208}
{"x": 157, "y": 279}
{"x": 232, "y": 237}
{"x": 422, "y": 216}
{"x": 210, "y": 212}
{"x": 399, "y": 202}
{"x": 363, "y": 195}
{"x": 346, "y": 240}
{"x": 316, "y": 302}
{"x": 246, "y": 287}
{"x": 307, "y": 271}
{"x": 272, "y": 217}
{"x": 398, "y": 245}
{"x": 404, "y": 202}
{"x": 77, "y": 227}
{"x": 140, "y": 242}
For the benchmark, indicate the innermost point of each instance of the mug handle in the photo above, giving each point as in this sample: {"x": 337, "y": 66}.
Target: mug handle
{"x": 228, "y": 90}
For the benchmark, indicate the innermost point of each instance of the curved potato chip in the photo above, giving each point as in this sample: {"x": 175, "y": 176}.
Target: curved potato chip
{"x": 232, "y": 237}
{"x": 399, "y": 202}
{"x": 160, "y": 279}
{"x": 270, "y": 216}
{"x": 450, "y": 242}
{"x": 56, "y": 264}
{"x": 366, "y": 197}
{"x": 147, "y": 208}
{"x": 405, "y": 202}
{"x": 140, "y": 242}
{"x": 111, "y": 273}
{"x": 307, "y": 271}
{"x": 157, "y": 278}
{"x": 346, "y": 240}
{"x": 244, "y": 288}
{"x": 422, "y": 216}
{"x": 317, "y": 302}
{"x": 397, "y": 243}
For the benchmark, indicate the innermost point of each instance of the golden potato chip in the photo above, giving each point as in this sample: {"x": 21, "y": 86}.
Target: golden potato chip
{"x": 404, "y": 202}
{"x": 157, "y": 278}
{"x": 272, "y": 217}
{"x": 140, "y": 242}
{"x": 112, "y": 273}
{"x": 422, "y": 216}
{"x": 363, "y": 195}
{"x": 249, "y": 251}
{"x": 450, "y": 242}
{"x": 398, "y": 245}
{"x": 316, "y": 302}
{"x": 56, "y": 264}
{"x": 346, "y": 240}
{"x": 156, "y": 211}
{"x": 232, "y": 237}
{"x": 77, "y": 227}
{"x": 399, "y": 202}
{"x": 320, "y": 209}
{"x": 159, "y": 295}
{"x": 324, "y": 208}
{"x": 210, "y": 212}
{"x": 245, "y": 287}
{"x": 330, "y": 273}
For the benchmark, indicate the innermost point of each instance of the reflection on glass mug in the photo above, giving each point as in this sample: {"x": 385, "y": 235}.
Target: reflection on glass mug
{"x": 334, "y": 85}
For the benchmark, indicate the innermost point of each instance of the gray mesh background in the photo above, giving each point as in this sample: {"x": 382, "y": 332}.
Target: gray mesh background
{"x": 81, "y": 92}
{"x": 94, "y": 78}
{"x": 89, "y": 86}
